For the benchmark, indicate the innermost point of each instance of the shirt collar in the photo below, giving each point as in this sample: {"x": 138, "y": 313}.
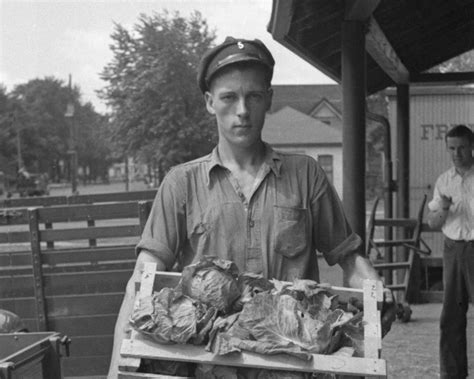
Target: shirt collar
{"x": 272, "y": 161}
{"x": 453, "y": 172}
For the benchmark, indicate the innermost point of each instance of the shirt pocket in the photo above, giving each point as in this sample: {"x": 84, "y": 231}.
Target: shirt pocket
{"x": 291, "y": 237}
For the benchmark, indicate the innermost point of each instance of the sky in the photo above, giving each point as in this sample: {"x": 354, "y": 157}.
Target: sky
{"x": 72, "y": 37}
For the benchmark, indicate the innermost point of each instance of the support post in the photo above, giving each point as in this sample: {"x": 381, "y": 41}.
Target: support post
{"x": 403, "y": 171}
{"x": 403, "y": 151}
{"x": 353, "y": 118}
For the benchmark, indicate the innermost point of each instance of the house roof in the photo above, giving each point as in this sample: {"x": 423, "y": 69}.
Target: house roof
{"x": 304, "y": 98}
{"x": 404, "y": 38}
{"x": 289, "y": 126}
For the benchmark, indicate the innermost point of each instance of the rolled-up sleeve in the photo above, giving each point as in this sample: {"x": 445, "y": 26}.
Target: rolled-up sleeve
{"x": 332, "y": 234}
{"x": 165, "y": 229}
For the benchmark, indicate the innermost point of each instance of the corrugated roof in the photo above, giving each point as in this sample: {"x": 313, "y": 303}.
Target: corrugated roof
{"x": 422, "y": 33}
{"x": 291, "y": 127}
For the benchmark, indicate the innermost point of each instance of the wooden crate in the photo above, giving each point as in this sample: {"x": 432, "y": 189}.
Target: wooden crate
{"x": 138, "y": 347}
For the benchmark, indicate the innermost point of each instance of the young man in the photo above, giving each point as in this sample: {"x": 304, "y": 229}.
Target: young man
{"x": 452, "y": 210}
{"x": 268, "y": 212}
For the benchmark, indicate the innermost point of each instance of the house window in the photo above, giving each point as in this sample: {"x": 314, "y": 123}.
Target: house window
{"x": 326, "y": 162}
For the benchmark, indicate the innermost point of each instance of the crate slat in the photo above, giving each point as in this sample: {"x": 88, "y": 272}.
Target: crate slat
{"x": 141, "y": 348}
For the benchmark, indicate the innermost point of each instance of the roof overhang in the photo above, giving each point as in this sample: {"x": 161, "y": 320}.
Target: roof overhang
{"x": 404, "y": 38}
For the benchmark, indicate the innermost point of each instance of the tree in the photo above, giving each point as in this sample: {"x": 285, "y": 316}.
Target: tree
{"x": 158, "y": 112}
{"x": 35, "y": 112}
{"x": 461, "y": 63}
{"x": 39, "y": 118}
{"x": 7, "y": 134}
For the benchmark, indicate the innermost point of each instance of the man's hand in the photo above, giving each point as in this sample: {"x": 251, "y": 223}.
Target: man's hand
{"x": 356, "y": 269}
{"x": 445, "y": 202}
{"x": 389, "y": 311}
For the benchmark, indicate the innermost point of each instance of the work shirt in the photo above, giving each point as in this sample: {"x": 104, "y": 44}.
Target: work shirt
{"x": 293, "y": 211}
{"x": 459, "y": 224}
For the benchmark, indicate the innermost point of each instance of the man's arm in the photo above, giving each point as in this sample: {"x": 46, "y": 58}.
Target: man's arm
{"x": 122, "y": 328}
{"x": 356, "y": 269}
{"x": 438, "y": 211}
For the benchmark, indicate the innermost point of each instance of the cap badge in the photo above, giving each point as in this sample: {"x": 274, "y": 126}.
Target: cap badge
{"x": 240, "y": 45}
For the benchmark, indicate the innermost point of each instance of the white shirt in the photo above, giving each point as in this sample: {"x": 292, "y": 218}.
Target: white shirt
{"x": 459, "y": 224}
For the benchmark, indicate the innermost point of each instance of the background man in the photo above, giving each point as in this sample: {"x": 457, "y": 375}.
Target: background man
{"x": 452, "y": 209}
{"x": 266, "y": 211}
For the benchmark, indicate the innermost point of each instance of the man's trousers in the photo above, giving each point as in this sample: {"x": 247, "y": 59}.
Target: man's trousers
{"x": 458, "y": 280}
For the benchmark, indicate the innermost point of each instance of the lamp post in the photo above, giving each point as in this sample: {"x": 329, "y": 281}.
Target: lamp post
{"x": 16, "y": 126}
{"x": 72, "y": 143}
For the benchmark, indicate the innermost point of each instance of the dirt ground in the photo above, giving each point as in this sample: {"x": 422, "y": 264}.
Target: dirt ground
{"x": 411, "y": 349}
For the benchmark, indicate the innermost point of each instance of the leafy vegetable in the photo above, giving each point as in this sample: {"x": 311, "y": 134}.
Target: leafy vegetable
{"x": 169, "y": 317}
{"x": 298, "y": 319}
{"x": 213, "y": 282}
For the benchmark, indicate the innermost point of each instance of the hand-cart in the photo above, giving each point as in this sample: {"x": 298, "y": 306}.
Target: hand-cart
{"x": 397, "y": 266}
{"x": 139, "y": 347}
{"x": 32, "y": 355}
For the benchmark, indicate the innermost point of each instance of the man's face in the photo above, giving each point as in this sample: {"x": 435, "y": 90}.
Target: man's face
{"x": 239, "y": 98}
{"x": 460, "y": 150}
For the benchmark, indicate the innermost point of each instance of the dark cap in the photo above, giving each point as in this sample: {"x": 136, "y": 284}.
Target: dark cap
{"x": 231, "y": 51}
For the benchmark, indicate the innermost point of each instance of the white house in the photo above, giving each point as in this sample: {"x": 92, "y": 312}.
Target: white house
{"x": 290, "y": 130}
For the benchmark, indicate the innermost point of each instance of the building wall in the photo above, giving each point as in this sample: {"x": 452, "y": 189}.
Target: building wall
{"x": 431, "y": 115}
{"x": 315, "y": 151}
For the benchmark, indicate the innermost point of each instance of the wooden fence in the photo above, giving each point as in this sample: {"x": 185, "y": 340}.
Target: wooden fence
{"x": 73, "y": 276}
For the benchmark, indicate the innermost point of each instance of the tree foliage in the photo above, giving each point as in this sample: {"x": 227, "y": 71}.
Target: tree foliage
{"x": 34, "y": 114}
{"x": 461, "y": 63}
{"x": 158, "y": 111}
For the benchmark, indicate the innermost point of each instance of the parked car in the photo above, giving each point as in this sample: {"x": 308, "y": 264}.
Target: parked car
{"x": 32, "y": 184}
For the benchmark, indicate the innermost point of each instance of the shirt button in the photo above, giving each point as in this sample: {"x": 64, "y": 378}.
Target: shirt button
{"x": 251, "y": 223}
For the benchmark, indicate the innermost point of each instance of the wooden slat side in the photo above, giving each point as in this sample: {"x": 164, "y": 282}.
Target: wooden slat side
{"x": 16, "y": 286}
{"x": 63, "y": 306}
{"x": 87, "y": 282}
{"x": 15, "y": 237}
{"x": 83, "y": 212}
{"x": 24, "y": 307}
{"x": 113, "y": 197}
{"x": 15, "y": 258}
{"x": 95, "y": 254}
{"x": 142, "y": 348}
{"x": 85, "y": 233}
{"x": 84, "y": 325}
{"x": 373, "y": 298}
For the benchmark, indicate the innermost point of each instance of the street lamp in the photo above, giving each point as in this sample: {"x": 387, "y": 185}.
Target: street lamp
{"x": 72, "y": 143}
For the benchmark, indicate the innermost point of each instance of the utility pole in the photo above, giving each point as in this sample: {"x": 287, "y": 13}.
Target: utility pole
{"x": 16, "y": 126}
{"x": 72, "y": 139}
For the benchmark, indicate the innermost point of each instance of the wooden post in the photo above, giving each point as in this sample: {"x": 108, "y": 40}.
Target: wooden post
{"x": 353, "y": 117}
{"x": 42, "y": 320}
{"x": 403, "y": 169}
